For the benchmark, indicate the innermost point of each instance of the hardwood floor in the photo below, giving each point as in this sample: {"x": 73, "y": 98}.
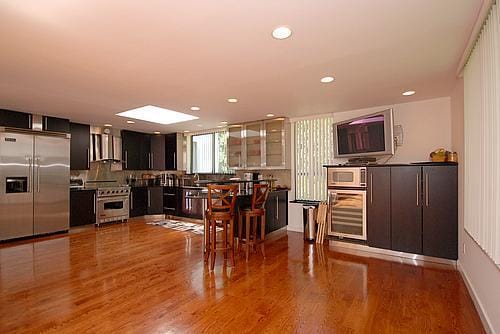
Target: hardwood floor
{"x": 138, "y": 278}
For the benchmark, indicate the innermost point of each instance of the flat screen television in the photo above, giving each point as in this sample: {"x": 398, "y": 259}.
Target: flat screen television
{"x": 368, "y": 135}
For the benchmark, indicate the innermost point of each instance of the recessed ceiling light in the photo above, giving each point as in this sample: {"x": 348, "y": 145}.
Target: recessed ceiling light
{"x": 220, "y": 126}
{"x": 157, "y": 132}
{"x": 327, "y": 79}
{"x": 130, "y": 122}
{"x": 186, "y": 131}
{"x": 409, "y": 93}
{"x": 232, "y": 100}
{"x": 270, "y": 115}
{"x": 199, "y": 125}
{"x": 223, "y": 122}
{"x": 282, "y": 32}
{"x": 157, "y": 115}
{"x": 108, "y": 125}
{"x": 195, "y": 108}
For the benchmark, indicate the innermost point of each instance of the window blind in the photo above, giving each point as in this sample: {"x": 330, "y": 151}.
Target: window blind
{"x": 482, "y": 139}
{"x": 313, "y": 149}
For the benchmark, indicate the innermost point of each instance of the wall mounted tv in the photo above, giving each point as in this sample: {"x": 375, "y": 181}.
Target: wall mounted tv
{"x": 368, "y": 135}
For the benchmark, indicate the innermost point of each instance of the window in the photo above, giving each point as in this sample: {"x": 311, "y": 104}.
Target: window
{"x": 482, "y": 141}
{"x": 209, "y": 153}
{"x": 313, "y": 149}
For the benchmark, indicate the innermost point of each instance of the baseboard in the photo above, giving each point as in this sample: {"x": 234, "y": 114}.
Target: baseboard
{"x": 475, "y": 299}
{"x": 295, "y": 229}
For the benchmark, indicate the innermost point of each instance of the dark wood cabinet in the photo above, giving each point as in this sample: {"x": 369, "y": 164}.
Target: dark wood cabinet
{"x": 158, "y": 154}
{"x": 142, "y": 151}
{"x": 55, "y": 124}
{"x": 378, "y": 207}
{"x": 138, "y": 201}
{"x": 276, "y": 210}
{"x": 171, "y": 151}
{"x": 440, "y": 211}
{"x": 131, "y": 150}
{"x": 406, "y": 209}
{"x": 155, "y": 200}
{"x": 80, "y": 146}
{"x": 15, "y": 119}
{"x": 170, "y": 201}
{"x": 82, "y": 207}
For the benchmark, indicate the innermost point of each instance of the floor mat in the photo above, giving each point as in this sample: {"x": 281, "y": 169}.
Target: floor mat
{"x": 181, "y": 226}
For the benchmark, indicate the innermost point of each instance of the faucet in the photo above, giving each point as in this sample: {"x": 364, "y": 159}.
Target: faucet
{"x": 196, "y": 177}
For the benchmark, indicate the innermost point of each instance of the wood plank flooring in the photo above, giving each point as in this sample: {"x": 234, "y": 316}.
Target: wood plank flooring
{"x": 138, "y": 278}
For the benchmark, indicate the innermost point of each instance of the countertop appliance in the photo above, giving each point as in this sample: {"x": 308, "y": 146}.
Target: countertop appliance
{"x": 347, "y": 202}
{"x": 34, "y": 182}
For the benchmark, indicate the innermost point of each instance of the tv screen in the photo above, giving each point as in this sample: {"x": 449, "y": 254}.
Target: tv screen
{"x": 367, "y": 135}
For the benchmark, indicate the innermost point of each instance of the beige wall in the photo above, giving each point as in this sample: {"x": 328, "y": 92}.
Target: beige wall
{"x": 426, "y": 127}
{"x": 481, "y": 274}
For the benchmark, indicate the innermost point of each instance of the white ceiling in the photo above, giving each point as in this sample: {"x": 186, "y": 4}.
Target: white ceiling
{"x": 90, "y": 59}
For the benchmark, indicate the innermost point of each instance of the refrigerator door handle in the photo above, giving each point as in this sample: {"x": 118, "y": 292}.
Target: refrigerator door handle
{"x": 37, "y": 174}
{"x": 30, "y": 174}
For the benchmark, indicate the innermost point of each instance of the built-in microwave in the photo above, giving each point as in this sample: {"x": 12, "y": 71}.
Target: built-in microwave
{"x": 348, "y": 177}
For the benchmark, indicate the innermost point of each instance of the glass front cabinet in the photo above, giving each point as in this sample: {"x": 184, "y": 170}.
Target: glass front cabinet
{"x": 260, "y": 145}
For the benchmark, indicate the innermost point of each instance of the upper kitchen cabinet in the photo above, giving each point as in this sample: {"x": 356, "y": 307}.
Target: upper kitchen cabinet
{"x": 275, "y": 136}
{"x": 15, "y": 119}
{"x": 132, "y": 155}
{"x": 80, "y": 146}
{"x": 253, "y": 138}
{"x": 55, "y": 124}
{"x": 158, "y": 152}
{"x": 171, "y": 151}
{"x": 142, "y": 151}
{"x": 235, "y": 147}
{"x": 260, "y": 145}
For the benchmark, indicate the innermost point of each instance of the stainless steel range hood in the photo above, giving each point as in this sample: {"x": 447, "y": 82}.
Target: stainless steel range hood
{"x": 105, "y": 144}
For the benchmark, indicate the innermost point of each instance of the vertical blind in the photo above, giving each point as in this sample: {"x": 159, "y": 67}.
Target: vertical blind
{"x": 313, "y": 149}
{"x": 482, "y": 139}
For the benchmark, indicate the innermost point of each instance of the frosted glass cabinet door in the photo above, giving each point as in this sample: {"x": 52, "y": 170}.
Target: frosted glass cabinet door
{"x": 235, "y": 147}
{"x": 275, "y": 143}
{"x": 253, "y": 145}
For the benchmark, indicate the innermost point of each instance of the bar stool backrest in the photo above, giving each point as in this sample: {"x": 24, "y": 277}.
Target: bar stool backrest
{"x": 222, "y": 198}
{"x": 259, "y": 198}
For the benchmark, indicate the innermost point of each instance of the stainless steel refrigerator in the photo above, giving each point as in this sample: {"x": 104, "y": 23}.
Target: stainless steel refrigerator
{"x": 34, "y": 183}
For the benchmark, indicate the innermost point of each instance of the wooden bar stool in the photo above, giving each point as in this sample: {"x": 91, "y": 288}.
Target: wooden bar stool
{"x": 251, "y": 216}
{"x": 220, "y": 213}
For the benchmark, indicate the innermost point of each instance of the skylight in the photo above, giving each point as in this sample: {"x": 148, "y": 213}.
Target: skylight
{"x": 157, "y": 115}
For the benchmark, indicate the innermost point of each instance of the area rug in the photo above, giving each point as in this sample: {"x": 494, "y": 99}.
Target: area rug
{"x": 181, "y": 226}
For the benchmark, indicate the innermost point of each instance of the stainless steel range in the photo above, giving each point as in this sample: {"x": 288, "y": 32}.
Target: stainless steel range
{"x": 112, "y": 200}
{"x": 112, "y": 204}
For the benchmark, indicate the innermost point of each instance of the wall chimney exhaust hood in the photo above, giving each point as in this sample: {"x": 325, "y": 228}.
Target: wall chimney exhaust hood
{"x": 105, "y": 144}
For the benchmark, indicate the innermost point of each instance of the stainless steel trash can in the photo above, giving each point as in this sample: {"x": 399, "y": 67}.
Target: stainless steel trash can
{"x": 309, "y": 220}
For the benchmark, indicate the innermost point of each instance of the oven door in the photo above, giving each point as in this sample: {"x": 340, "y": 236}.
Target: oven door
{"x": 112, "y": 207}
{"x": 347, "y": 213}
{"x": 347, "y": 177}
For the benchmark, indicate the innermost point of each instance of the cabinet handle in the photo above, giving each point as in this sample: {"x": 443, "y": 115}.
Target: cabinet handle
{"x": 93, "y": 196}
{"x": 126, "y": 159}
{"x": 88, "y": 158}
{"x": 30, "y": 121}
{"x": 418, "y": 192}
{"x": 175, "y": 160}
{"x": 46, "y": 124}
{"x": 277, "y": 209}
{"x": 149, "y": 198}
{"x": 371, "y": 188}
{"x": 152, "y": 161}
{"x": 171, "y": 209}
{"x": 131, "y": 201}
{"x": 427, "y": 190}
